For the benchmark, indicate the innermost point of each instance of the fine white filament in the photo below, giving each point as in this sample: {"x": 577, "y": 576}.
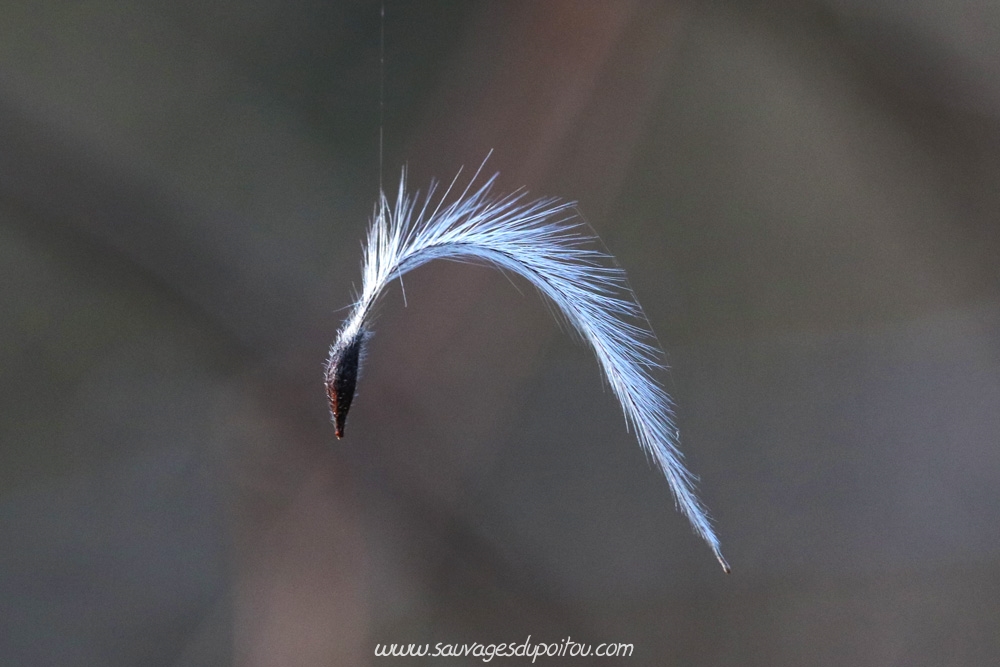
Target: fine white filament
{"x": 542, "y": 241}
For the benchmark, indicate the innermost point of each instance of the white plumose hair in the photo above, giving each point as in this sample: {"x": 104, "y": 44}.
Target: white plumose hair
{"x": 540, "y": 240}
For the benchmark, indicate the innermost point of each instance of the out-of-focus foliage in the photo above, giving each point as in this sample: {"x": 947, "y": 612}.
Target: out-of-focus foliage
{"x": 804, "y": 195}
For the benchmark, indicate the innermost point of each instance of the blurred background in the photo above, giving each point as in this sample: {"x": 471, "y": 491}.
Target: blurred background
{"x": 804, "y": 195}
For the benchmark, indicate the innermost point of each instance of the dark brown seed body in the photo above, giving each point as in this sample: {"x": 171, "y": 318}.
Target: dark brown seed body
{"x": 342, "y": 378}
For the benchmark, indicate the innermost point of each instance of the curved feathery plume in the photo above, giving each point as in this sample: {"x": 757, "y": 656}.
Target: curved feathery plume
{"x": 541, "y": 241}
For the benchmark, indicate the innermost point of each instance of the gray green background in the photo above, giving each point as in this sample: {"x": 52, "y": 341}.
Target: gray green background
{"x": 804, "y": 195}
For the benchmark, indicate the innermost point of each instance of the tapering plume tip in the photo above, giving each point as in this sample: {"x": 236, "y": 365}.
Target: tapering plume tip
{"x": 723, "y": 563}
{"x": 342, "y": 378}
